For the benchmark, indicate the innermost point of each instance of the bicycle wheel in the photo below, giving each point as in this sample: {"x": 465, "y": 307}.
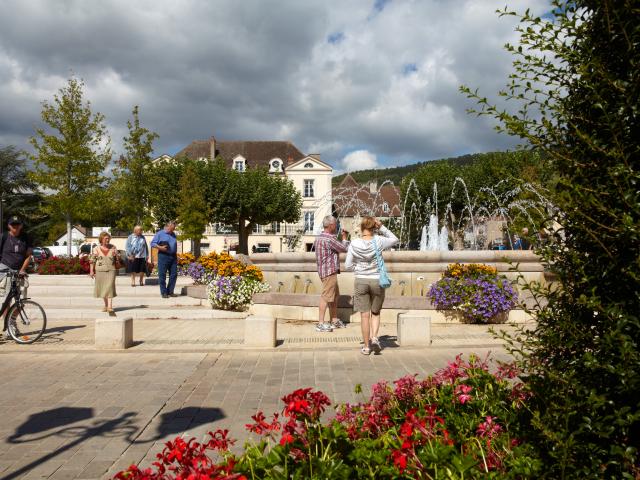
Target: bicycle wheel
{"x": 27, "y": 322}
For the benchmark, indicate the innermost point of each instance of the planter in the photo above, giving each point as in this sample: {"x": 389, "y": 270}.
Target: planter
{"x": 455, "y": 316}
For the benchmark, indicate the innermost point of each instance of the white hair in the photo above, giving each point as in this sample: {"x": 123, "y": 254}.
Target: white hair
{"x": 328, "y": 220}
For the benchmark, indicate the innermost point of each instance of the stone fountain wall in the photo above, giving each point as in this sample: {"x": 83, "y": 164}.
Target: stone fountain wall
{"x": 293, "y": 276}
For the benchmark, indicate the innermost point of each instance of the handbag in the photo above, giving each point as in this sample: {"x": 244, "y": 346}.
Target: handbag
{"x": 385, "y": 281}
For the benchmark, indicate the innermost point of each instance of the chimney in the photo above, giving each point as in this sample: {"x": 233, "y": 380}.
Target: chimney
{"x": 212, "y": 154}
{"x": 373, "y": 186}
{"x": 315, "y": 155}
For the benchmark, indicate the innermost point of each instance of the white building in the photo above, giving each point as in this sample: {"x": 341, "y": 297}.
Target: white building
{"x": 310, "y": 175}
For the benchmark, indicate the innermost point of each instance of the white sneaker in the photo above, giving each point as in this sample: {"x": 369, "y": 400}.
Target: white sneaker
{"x": 324, "y": 327}
{"x": 337, "y": 323}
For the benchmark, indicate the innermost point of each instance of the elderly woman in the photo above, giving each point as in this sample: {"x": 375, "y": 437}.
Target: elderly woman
{"x": 104, "y": 260}
{"x": 137, "y": 255}
{"x": 368, "y": 295}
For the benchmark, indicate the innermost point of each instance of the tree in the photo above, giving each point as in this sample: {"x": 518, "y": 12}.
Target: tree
{"x": 576, "y": 86}
{"x": 193, "y": 211}
{"x": 14, "y": 180}
{"x": 254, "y": 197}
{"x": 131, "y": 180}
{"x": 70, "y": 155}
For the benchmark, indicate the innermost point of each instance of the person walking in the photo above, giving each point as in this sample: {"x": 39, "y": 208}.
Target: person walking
{"x": 103, "y": 266}
{"x": 138, "y": 256}
{"x": 167, "y": 244}
{"x": 368, "y": 295}
{"x": 328, "y": 249}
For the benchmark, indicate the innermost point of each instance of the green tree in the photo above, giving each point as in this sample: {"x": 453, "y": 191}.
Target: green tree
{"x": 254, "y": 197}
{"x": 70, "y": 155}
{"x": 14, "y": 180}
{"x": 131, "y": 179}
{"x": 164, "y": 185}
{"x": 576, "y": 89}
{"x": 193, "y": 211}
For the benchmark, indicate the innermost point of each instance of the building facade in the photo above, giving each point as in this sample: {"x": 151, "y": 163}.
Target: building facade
{"x": 309, "y": 174}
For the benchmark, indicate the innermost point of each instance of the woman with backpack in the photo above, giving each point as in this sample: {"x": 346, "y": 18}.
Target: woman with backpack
{"x": 364, "y": 258}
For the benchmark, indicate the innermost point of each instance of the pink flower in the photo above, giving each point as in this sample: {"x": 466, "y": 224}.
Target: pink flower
{"x": 462, "y": 391}
{"x": 489, "y": 428}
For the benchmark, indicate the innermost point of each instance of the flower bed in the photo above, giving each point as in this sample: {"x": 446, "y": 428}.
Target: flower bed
{"x": 63, "y": 266}
{"x": 230, "y": 283}
{"x": 461, "y": 422}
{"x": 474, "y": 290}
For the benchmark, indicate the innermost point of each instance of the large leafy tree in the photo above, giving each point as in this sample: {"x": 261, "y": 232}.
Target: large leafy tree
{"x": 254, "y": 197}
{"x": 193, "y": 211}
{"x": 576, "y": 86}
{"x": 70, "y": 155}
{"x": 131, "y": 186}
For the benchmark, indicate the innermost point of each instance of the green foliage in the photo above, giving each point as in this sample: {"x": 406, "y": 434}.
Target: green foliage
{"x": 254, "y": 197}
{"x": 19, "y": 195}
{"x": 70, "y": 155}
{"x": 576, "y": 86}
{"x": 132, "y": 174}
{"x": 164, "y": 185}
{"x": 193, "y": 214}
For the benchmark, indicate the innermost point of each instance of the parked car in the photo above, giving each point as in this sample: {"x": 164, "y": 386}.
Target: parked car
{"x": 61, "y": 250}
{"x": 40, "y": 253}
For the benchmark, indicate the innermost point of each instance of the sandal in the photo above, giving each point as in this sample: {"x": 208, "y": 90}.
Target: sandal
{"x": 365, "y": 351}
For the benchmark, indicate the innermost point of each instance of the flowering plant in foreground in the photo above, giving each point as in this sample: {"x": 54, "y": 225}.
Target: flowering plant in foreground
{"x": 462, "y": 422}
{"x": 233, "y": 292}
{"x": 476, "y": 290}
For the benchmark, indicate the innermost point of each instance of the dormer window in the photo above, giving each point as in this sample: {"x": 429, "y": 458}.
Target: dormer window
{"x": 275, "y": 165}
{"x": 308, "y": 165}
{"x": 385, "y": 207}
{"x": 239, "y": 164}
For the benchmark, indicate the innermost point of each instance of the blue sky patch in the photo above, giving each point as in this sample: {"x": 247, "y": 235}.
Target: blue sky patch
{"x": 335, "y": 38}
{"x": 409, "y": 68}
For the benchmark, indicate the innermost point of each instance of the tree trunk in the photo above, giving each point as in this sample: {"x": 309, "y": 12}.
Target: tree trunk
{"x": 69, "y": 235}
{"x": 196, "y": 247}
{"x": 243, "y": 237}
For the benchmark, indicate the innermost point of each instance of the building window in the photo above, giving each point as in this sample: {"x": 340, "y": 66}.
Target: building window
{"x": 308, "y": 165}
{"x": 275, "y": 227}
{"x": 257, "y": 229}
{"x": 309, "y": 218}
{"x": 385, "y": 207}
{"x": 307, "y": 191}
{"x": 239, "y": 165}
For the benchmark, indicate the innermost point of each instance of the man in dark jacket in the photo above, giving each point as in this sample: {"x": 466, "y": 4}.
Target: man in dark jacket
{"x": 15, "y": 247}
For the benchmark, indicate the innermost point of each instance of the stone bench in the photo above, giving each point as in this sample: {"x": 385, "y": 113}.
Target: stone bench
{"x": 414, "y": 330}
{"x": 260, "y": 331}
{"x": 113, "y": 333}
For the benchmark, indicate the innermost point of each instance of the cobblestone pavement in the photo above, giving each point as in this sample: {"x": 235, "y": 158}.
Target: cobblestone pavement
{"x": 72, "y": 412}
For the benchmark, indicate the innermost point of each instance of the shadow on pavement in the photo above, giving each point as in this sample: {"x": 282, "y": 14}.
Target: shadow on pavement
{"x": 39, "y": 425}
{"x": 183, "y": 419}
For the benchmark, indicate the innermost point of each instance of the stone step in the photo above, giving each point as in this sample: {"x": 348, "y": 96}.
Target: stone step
{"x": 69, "y": 280}
{"x": 86, "y": 290}
{"x": 178, "y": 313}
{"x": 121, "y": 300}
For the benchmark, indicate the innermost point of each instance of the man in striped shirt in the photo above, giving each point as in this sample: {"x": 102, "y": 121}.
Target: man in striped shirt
{"x": 328, "y": 249}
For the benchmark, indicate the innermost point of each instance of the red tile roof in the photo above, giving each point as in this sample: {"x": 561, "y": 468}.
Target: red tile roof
{"x": 351, "y": 199}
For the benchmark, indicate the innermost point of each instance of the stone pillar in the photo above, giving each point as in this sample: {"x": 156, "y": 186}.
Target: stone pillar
{"x": 414, "y": 330}
{"x": 113, "y": 333}
{"x": 260, "y": 331}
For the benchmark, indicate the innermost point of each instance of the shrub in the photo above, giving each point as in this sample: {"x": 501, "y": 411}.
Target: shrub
{"x": 475, "y": 290}
{"x": 63, "y": 266}
{"x": 461, "y": 422}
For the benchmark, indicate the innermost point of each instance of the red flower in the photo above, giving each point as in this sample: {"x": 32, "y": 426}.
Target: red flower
{"x": 489, "y": 428}
{"x": 462, "y": 391}
{"x": 399, "y": 460}
{"x": 286, "y": 439}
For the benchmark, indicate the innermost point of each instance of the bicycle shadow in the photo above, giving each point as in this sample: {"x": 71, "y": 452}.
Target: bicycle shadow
{"x": 58, "y": 422}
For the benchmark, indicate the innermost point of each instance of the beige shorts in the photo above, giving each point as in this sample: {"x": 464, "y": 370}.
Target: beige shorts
{"x": 330, "y": 290}
{"x": 368, "y": 295}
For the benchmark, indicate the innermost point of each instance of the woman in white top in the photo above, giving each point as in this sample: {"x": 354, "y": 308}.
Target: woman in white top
{"x": 368, "y": 296}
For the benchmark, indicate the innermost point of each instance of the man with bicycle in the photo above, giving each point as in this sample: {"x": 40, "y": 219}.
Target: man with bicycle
{"x": 15, "y": 251}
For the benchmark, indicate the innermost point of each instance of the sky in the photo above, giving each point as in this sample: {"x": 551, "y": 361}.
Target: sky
{"x": 366, "y": 84}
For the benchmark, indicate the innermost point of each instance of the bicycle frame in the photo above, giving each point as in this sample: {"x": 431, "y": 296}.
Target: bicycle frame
{"x": 13, "y": 297}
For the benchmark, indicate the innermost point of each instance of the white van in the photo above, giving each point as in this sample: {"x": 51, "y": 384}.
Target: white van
{"x": 61, "y": 250}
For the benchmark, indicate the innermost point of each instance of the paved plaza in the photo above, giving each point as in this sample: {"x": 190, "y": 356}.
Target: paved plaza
{"x": 70, "y": 411}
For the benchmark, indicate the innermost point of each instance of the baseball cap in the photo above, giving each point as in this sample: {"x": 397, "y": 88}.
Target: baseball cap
{"x": 14, "y": 220}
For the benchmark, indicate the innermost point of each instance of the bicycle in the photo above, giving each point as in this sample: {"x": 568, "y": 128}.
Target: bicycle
{"x": 24, "y": 319}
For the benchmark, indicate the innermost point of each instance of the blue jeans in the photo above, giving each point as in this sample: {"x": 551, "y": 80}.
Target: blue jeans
{"x": 167, "y": 263}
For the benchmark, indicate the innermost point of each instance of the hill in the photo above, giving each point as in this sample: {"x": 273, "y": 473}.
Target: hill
{"x": 396, "y": 174}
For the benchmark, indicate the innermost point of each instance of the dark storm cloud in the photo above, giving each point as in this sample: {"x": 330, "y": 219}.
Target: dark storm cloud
{"x": 263, "y": 70}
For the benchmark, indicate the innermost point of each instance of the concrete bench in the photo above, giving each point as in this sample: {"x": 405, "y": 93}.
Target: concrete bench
{"x": 114, "y": 333}
{"x": 414, "y": 330}
{"x": 260, "y": 331}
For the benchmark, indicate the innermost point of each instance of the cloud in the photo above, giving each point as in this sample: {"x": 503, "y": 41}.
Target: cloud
{"x": 359, "y": 160}
{"x": 380, "y": 76}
